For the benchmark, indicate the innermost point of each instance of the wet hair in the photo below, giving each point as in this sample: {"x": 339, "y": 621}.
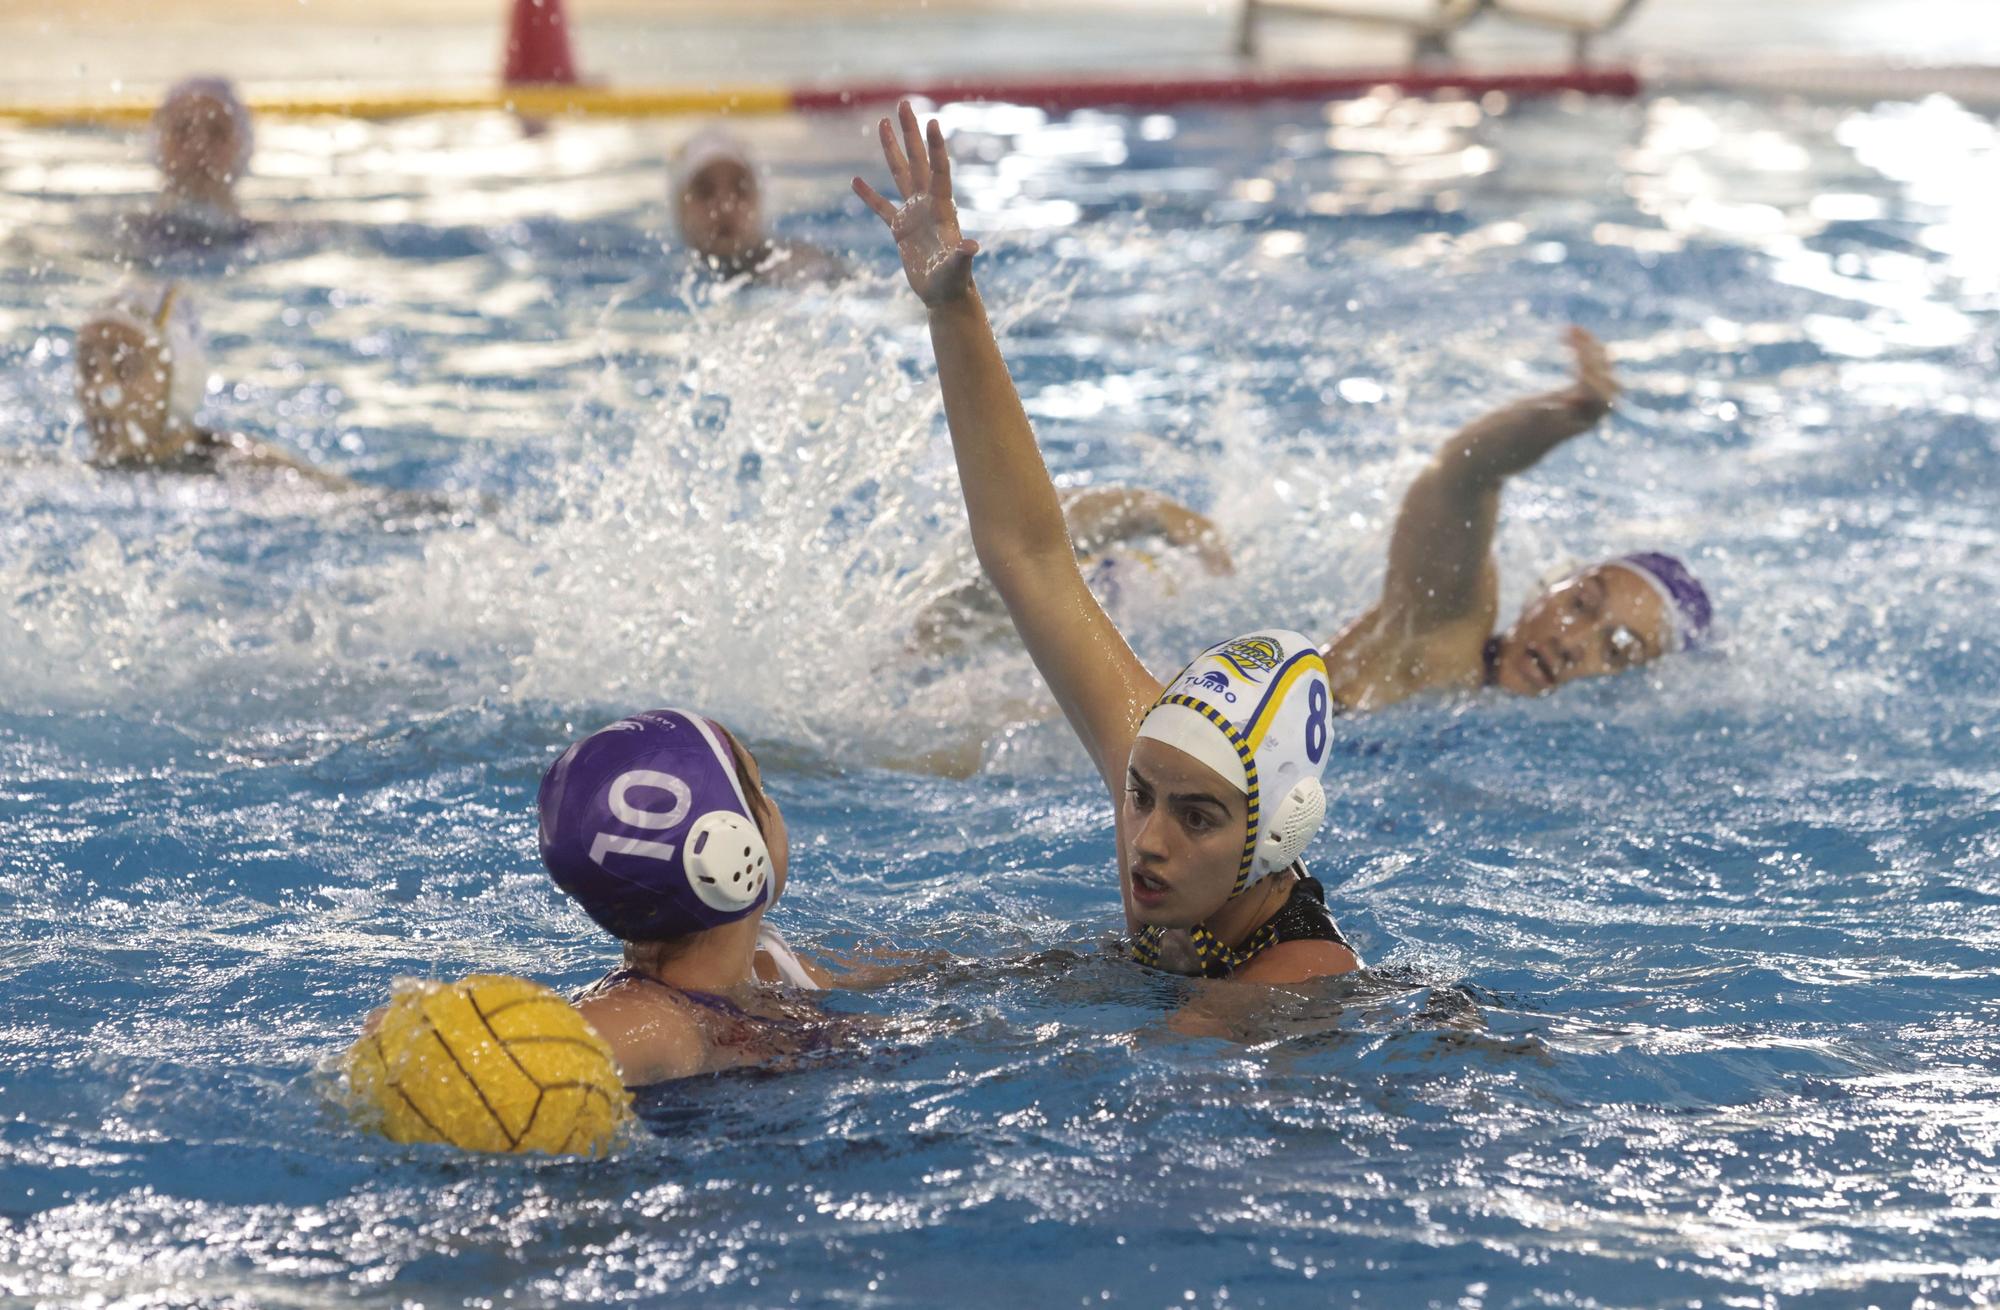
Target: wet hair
{"x": 740, "y": 758}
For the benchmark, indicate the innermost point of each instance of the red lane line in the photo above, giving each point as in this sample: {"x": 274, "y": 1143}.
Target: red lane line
{"x": 1165, "y": 93}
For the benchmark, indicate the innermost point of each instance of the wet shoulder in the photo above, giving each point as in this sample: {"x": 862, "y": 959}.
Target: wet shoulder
{"x": 654, "y": 1031}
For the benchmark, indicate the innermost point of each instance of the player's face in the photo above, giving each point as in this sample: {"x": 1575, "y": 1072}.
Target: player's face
{"x": 1183, "y": 826}
{"x": 1601, "y": 621}
{"x": 722, "y": 210}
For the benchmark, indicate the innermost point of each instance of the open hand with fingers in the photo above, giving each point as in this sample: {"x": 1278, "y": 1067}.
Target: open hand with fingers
{"x": 1595, "y": 387}
{"x": 936, "y": 257}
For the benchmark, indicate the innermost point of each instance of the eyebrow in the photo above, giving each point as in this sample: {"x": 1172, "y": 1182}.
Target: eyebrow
{"x": 1184, "y": 797}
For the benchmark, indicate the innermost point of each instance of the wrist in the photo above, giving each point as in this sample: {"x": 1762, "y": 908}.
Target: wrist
{"x": 1587, "y": 404}
{"x": 965, "y": 304}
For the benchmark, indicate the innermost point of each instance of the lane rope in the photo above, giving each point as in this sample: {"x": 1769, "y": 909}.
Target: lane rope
{"x": 1150, "y": 92}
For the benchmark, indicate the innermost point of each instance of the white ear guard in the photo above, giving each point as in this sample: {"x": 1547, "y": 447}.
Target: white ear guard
{"x": 1292, "y": 828}
{"x": 726, "y": 859}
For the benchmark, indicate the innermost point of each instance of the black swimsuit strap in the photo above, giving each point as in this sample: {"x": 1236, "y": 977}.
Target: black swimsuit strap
{"x": 707, "y": 1000}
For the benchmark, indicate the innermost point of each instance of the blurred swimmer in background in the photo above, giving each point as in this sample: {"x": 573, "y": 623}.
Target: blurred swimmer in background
{"x": 1214, "y": 774}
{"x": 718, "y": 200}
{"x": 202, "y": 140}
{"x": 660, "y": 827}
{"x": 141, "y": 376}
{"x": 1124, "y": 537}
{"x": 1433, "y": 628}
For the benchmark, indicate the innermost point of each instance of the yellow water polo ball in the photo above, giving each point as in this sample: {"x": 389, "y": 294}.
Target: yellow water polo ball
{"x": 488, "y": 1063}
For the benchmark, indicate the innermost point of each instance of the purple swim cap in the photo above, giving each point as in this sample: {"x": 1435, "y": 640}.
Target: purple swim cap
{"x": 1687, "y": 600}
{"x": 645, "y": 824}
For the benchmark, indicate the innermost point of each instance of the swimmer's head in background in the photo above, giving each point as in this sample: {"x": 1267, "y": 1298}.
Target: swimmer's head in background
{"x": 202, "y": 138}
{"x": 717, "y": 196}
{"x": 646, "y": 824}
{"x": 1612, "y": 616}
{"x": 141, "y": 374}
{"x": 1255, "y": 711}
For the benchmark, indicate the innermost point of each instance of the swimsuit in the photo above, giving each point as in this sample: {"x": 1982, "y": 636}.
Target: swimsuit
{"x": 797, "y": 1034}
{"x": 1302, "y": 918}
{"x": 189, "y": 225}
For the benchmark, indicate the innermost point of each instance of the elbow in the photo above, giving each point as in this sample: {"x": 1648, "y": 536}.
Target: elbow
{"x": 1014, "y": 567}
{"x": 1463, "y": 460}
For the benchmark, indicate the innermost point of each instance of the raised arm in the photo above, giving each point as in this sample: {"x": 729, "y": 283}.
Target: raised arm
{"x": 1016, "y": 517}
{"x": 1444, "y": 531}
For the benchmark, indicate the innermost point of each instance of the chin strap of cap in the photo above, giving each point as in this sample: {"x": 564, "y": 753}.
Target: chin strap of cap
{"x": 1218, "y": 958}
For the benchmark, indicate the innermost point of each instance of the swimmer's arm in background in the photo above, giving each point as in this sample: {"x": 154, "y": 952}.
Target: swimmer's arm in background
{"x": 1017, "y": 522}
{"x": 1444, "y": 532}
{"x": 1099, "y": 516}
{"x": 865, "y": 967}
{"x": 262, "y": 455}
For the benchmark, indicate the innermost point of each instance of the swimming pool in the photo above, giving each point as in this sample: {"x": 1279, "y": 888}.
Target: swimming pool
{"x": 1685, "y": 985}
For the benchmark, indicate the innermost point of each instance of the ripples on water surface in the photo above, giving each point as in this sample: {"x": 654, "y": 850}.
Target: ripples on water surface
{"x": 1685, "y": 986}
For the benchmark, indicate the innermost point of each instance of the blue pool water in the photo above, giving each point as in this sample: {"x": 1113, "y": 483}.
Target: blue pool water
{"x": 1685, "y": 986}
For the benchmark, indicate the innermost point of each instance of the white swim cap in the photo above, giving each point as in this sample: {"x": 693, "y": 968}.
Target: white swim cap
{"x": 1257, "y": 709}
{"x": 699, "y": 151}
{"x": 220, "y": 90}
{"x": 166, "y": 319}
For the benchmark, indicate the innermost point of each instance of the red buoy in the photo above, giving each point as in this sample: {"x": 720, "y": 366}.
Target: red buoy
{"x": 538, "y": 45}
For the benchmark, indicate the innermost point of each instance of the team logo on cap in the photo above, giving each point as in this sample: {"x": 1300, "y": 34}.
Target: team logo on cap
{"x": 1250, "y": 656}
